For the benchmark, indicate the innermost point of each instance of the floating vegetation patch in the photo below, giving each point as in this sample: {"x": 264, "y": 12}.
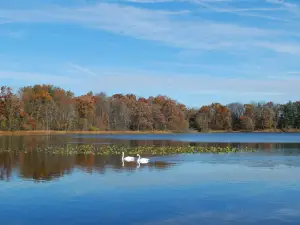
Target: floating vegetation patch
{"x": 117, "y": 150}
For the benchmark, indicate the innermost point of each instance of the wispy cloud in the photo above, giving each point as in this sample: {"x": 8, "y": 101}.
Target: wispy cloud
{"x": 268, "y": 49}
{"x": 252, "y": 10}
{"x": 138, "y": 82}
{"x": 13, "y": 34}
{"x": 157, "y": 25}
{"x": 31, "y": 78}
{"x": 149, "y": 1}
{"x": 127, "y": 80}
{"x": 294, "y": 72}
{"x": 293, "y": 7}
{"x": 82, "y": 69}
{"x": 164, "y": 1}
{"x": 232, "y": 9}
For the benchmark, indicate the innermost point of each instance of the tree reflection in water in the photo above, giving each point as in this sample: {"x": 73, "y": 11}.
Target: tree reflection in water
{"x": 42, "y": 167}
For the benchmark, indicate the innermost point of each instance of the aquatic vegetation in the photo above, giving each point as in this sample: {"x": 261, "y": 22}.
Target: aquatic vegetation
{"x": 118, "y": 149}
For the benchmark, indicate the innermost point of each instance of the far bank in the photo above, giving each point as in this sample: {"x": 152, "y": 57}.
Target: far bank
{"x": 53, "y": 132}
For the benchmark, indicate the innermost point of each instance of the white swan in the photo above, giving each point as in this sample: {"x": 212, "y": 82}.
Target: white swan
{"x": 142, "y": 160}
{"x": 127, "y": 158}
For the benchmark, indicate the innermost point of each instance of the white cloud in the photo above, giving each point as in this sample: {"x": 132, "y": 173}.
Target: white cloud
{"x": 294, "y": 72}
{"x": 193, "y": 34}
{"x": 149, "y": 1}
{"x": 281, "y": 88}
{"x": 82, "y": 69}
{"x": 291, "y": 10}
{"x": 14, "y": 78}
{"x": 13, "y": 34}
{"x": 284, "y": 3}
{"x": 164, "y": 1}
{"x": 281, "y": 47}
{"x": 111, "y": 80}
{"x": 156, "y": 25}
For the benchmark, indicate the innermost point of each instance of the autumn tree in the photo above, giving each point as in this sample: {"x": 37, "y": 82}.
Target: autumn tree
{"x": 10, "y": 111}
{"x": 248, "y": 120}
{"x": 38, "y": 105}
{"x": 268, "y": 117}
{"x": 222, "y": 119}
{"x": 191, "y": 115}
{"x": 247, "y": 123}
{"x": 85, "y": 108}
{"x": 102, "y": 109}
{"x": 142, "y": 118}
{"x": 120, "y": 113}
{"x": 173, "y": 112}
{"x": 203, "y": 118}
{"x": 48, "y": 107}
{"x": 215, "y": 117}
{"x": 52, "y": 108}
{"x": 64, "y": 104}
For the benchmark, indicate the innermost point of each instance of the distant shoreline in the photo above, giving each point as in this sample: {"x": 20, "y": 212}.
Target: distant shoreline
{"x": 53, "y": 132}
{"x": 256, "y": 131}
{"x": 50, "y": 132}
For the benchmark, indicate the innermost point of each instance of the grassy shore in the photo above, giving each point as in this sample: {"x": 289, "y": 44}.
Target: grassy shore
{"x": 52, "y": 132}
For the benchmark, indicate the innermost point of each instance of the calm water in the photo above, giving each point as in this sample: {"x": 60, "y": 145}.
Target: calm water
{"x": 245, "y": 188}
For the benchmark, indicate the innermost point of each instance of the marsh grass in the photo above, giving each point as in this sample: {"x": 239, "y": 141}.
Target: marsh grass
{"x": 118, "y": 149}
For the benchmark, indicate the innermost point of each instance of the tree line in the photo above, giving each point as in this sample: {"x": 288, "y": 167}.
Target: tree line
{"x": 47, "y": 107}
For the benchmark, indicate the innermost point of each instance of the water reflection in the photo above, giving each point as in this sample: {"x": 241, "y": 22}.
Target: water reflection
{"x": 38, "y": 166}
{"x": 204, "y": 137}
{"x": 39, "y": 141}
{"x": 42, "y": 167}
{"x": 246, "y": 188}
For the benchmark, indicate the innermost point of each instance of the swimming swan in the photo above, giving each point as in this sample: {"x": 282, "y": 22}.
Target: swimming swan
{"x": 142, "y": 160}
{"x": 127, "y": 158}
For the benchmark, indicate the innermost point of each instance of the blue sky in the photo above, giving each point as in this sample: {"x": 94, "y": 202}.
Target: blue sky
{"x": 196, "y": 51}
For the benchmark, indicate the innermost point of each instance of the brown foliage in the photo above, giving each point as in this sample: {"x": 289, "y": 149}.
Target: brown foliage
{"x": 46, "y": 107}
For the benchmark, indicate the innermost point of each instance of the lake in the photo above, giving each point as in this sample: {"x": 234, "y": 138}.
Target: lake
{"x": 236, "y": 188}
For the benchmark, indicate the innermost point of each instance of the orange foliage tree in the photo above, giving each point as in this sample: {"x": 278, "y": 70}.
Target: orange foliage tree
{"x": 52, "y": 108}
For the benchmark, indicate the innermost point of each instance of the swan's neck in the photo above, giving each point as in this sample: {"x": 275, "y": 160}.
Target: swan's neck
{"x": 139, "y": 157}
{"x": 122, "y": 155}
